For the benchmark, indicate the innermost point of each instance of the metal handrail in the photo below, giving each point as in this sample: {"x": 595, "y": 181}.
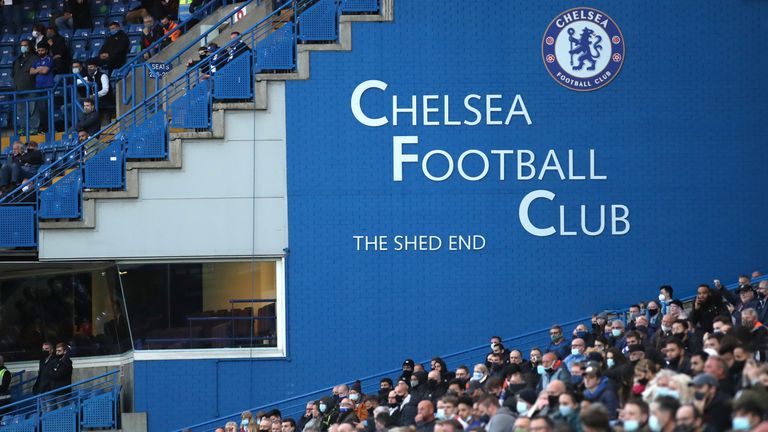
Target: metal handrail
{"x": 132, "y": 68}
{"x": 25, "y": 402}
{"x": 452, "y": 357}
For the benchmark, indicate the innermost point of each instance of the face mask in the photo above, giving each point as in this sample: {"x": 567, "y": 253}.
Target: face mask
{"x": 414, "y": 383}
{"x": 521, "y": 407}
{"x": 344, "y": 410}
{"x": 75, "y": 71}
{"x": 113, "y": 32}
{"x": 699, "y": 395}
{"x": 581, "y": 334}
{"x": 574, "y": 351}
{"x": 740, "y": 423}
{"x": 631, "y": 425}
{"x": 484, "y": 418}
{"x": 354, "y": 397}
{"x": 540, "y": 370}
{"x": 35, "y": 34}
{"x": 661, "y": 297}
{"x": 638, "y": 388}
{"x": 91, "y": 71}
{"x": 642, "y": 329}
{"x": 653, "y": 423}
{"x": 615, "y": 332}
{"x": 653, "y": 312}
{"x": 323, "y": 407}
{"x": 492, "y": 346}
{"x": 666, "y": 329}
{"x": 393, "y": 404}
{"x": 477, "y": 376}
{"x": 554, "y": 338}
{"x": 440, "y": 413}
{"x": 576, "y": 379}
{"x": 166, "y": 25}
{"x": 610, "y": 362}
{"x": 24, "y": 49}
{"x": 663, "y": 391}
{"x": 565, "y": 410}
{"x": 244, "y": 422}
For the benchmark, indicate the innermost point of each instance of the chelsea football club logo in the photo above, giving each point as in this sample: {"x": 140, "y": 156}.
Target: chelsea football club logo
{"x": 583, "y": 49}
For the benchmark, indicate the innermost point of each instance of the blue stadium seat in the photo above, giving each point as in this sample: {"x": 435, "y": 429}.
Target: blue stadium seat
{"x": 66, "y": 34}
{"x": 9, "y": 38}
{"x": 6, "y": 50}
{"x": 117, "y": 9}
{"x": 6, "y": 80}
{"x": 99, "y": 21}
{"x": 25, "y": 32}
{"x": 135, "y": 29}
{"x": 44, "y": 16}
{"x": 7, "y": 29}
{"x": 82, "y": 33}
{"x": 133, "y": 4}
{"x": 97, "y": 42}
{"x": 79, "y": 45}
{"x": 79, "y": 55}
{"x": 117, "y": 17}
{"x": 59, "y": 5}
{"x": 99, "y": 8}
{"x": 6, "y": 60}
{"x": 94, "y": 51}
{"x": 101, "y": 32}
{"x": 43, "y": 5}
{"x": 28, "y": 13}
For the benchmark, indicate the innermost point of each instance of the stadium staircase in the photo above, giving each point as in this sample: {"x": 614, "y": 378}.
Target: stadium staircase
{"x": 91, "y": 404}
{"x": 151, "y": 132}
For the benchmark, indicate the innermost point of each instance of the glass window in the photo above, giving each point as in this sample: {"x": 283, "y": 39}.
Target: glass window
{"x": 201, "y": 305}
{"x": 75, "y": 303}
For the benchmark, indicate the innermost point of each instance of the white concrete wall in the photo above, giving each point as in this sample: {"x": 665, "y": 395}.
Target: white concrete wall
{"x": 228, "y": 199}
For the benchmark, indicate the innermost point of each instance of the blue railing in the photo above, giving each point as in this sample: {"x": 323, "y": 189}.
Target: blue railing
{"x": 91, "y": 403}
{"x": 270, "y": 45}
{"x": 16, "y": 107}
{"x": 137, "y": 70}
{"x": 294, "y": 406}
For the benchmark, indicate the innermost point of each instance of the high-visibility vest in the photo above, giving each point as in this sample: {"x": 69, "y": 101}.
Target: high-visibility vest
{"x": 7, "y": 394}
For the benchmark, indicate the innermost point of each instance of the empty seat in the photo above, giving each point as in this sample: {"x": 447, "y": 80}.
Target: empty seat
{"x": 99, "y": 21}
{"x": 44, "y": 5}
{"x": 6, "y": 50}
{"x": 99, "y": 8}
{"x": 117, "y": 9}
{"x": 82, "y": 33}
{"x": 135, "y": 29}
{"x": 9, "y": 38}
{"x": 28, "y": 13}
{"x": 25, "y": 33}
{"x": 101, "y": 32}
{"x": 43, "y": 16}
{"x": 66, "y": 34}
{"x": 80, "y": 55}
{"x": 79, "y": 45}
{"x": 6, "y": 60}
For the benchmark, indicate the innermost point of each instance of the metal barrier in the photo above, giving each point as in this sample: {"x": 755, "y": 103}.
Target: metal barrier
{"x": 137, "y": 69}
{"x": 56, "y": 191}
{"x": 61, "y": 105}
{"x": 294, "y": 406}
{"x": 91, "y": 403}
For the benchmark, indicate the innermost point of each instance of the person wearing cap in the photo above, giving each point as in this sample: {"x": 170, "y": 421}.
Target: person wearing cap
{"x": 115, "y": 49}
{"x": 747, "y": 300}
{"x": 706, "y": 307}
{"x": 677, "y": 310}
{"x": 714, "y": 404}
{"x": 407, "y": 369}
{"x": 599, "y": 388}
{"x": 526, "y": 399}
{"x": 408, "y": 407}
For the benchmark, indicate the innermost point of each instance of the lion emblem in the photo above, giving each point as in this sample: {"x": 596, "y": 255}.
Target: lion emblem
{"x": 583, "y": 46}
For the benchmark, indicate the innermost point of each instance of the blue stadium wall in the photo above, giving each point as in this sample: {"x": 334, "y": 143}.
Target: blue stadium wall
{"x": 679, "y": 133}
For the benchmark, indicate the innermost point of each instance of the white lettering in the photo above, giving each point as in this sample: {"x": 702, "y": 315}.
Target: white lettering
{"x": 425, "y": 161}
{"x": 525, "y": 219}
{"x": 398, "y": 158}
{"x": 486, "y": 165}
{"x": 357, "y": 110}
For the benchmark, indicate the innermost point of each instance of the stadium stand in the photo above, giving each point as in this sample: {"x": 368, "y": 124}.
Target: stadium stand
{"x": 621, "y": 369}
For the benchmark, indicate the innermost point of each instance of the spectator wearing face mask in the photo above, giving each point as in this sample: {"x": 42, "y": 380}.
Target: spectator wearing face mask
{"x": 666, "y": 293}
{"x": 634, "y": 416}
{"x": 60, "y": 374}
{"x": 38, "y": 34}
{"x": 664, "y": 331}
{"x": 150, "y": 33}
{"x": 59, "y": 51}
{"x": 714, "y": 404}
{"x": 24, "y": 80}
{"x": 113, "y": 53}
{"x": 663, "y": 412}
{"x": 653, "y": 313}
{"x": 578, "y": 346}
{"x": 170, "y": 26}
{"x": 558, "y": 342}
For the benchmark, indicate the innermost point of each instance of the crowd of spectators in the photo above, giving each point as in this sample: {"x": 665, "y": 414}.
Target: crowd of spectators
{"x": 661, "y": 368}
{"x": 47, "y": 53}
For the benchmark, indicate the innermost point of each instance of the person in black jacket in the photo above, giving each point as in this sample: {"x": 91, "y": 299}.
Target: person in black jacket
{"x": 708, "y": 305}
{"x": 89, "y": 120}
{"x": 42, "y": 383}
{"x": 58, "y": 50}
{"x": 60, "y": 373}
{"x": 77, "y": 15}
{"x": 115, "y": 49}
{"x": 31, "y": 160}
{"x": 10, "y": 167}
